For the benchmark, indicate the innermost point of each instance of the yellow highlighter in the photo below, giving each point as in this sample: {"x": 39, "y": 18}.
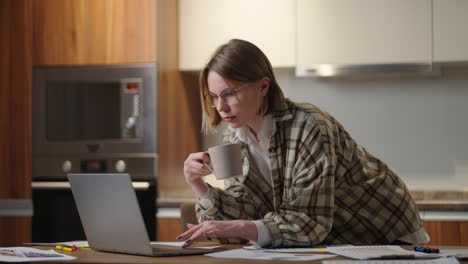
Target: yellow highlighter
{"x": 65, "y": 248}
{"x": 322, "y": 250}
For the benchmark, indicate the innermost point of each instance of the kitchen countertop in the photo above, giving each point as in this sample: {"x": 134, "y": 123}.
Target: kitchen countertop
{"x": 426, "y": 200}
{"x": 436, "y": 200}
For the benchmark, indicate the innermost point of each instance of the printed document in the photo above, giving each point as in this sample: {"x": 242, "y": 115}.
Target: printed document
{"x": 25, "y": 254}
{"x": 80, "y": 244}
{"x": 288, "y": 250}
{"x": 377, "y": 252}
{"x": 453, "y": 252}
{"x": 260, "y": 254}
{"x": 427, "y": 261}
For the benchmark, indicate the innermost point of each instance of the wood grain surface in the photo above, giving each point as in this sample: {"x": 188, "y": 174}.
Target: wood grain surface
{"x": 87, "y": 32}
{"x": 15, "y": 114}
{"x": 179, "y": 118}
{"x": 447, "y": 233}
{"x": 92, "y": 256}
{"x": 168, "y": 229}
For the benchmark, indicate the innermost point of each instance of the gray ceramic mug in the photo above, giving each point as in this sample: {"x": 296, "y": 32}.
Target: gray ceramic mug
{"x": 226, "y": 161}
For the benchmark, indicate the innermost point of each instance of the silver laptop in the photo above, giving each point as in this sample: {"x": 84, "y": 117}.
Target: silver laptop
{"x": 111, "y": 217}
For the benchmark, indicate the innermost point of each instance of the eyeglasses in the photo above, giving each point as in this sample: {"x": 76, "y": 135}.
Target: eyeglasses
{"x": 228, "y": 96}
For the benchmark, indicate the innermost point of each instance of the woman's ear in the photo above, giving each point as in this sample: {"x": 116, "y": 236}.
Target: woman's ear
{"x": 265, "y": 85}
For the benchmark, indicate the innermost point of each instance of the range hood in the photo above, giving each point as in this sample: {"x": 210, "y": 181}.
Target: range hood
{"x": 333, "y": 70}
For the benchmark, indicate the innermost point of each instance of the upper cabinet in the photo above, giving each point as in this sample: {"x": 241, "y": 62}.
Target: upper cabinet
{"x": 450, "y": 37}
{"x": 86, "y": 32}
{"x": 308, "y": 33}
{"x": 206, "y": 24}
{"x": 363, "y": 32}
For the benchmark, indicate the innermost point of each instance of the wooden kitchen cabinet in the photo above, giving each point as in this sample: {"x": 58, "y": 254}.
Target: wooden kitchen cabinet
{"x": 168, "y": 229}
{"x": 447, "y": 233}
{"x": 363, "y": 32}
{"x": 15, "y": 116}
{"x": 206, "y": 24}
{"x": 87, "y": 32}
{"x": 450, "y": 38}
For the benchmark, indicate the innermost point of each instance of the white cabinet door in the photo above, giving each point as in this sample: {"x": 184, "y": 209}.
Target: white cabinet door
{"x": 343, "y": 32}
{"x": 206, "y": 24}
{"x": 450, "y": 30}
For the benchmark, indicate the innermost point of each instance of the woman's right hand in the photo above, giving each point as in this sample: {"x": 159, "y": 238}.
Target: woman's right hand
{"x": 194, "y": 169}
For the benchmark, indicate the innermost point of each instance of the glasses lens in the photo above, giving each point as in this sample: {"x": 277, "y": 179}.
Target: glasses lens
{"x": 230, "y": 98}
{"x": 214, "y": 102}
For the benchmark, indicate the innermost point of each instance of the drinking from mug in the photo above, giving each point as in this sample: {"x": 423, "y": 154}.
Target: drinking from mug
{"x": 226, "y": 161}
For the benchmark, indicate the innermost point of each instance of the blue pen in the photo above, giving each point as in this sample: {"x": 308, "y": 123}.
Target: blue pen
{"x": 422, "y": 249}
{"x": 433, "y": 250}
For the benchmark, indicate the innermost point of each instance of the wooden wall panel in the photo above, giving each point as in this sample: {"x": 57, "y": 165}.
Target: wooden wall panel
{"x": 85, "y": 32}
{"x": 14, "y": 231}
{"x": 463, "y": 233}
{"x": 179, "y": 118}
{"x": 15, "y": 114}
{"x": 449, "y": 233}
{"x": 168, "y": 229}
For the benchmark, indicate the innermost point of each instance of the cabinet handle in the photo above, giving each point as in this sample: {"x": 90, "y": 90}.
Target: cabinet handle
{"x": 50, "y": 186}
{"x": 16, "y": 207}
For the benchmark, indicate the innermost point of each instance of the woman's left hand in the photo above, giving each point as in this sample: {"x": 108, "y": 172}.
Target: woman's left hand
{"x": 220, "y": 229}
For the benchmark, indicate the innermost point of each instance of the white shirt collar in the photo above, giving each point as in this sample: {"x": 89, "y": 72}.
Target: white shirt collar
{"x": 266, "y": 131}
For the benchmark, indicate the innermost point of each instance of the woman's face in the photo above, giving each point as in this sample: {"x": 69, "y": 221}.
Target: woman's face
{"x": 244, "y": 110}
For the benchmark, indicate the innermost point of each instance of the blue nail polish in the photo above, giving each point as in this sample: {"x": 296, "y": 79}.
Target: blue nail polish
{"x": 186, "y": 242}
{"x": 178, "y": 237}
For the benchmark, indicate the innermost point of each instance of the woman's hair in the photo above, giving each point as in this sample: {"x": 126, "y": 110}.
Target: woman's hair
{"x": 241, "y": 61}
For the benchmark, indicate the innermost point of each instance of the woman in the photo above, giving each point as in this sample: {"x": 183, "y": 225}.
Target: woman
{"x": 306, "y": 181}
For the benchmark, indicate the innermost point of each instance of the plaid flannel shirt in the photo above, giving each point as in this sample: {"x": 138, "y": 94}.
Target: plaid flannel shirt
{"x": 325, "y": 188}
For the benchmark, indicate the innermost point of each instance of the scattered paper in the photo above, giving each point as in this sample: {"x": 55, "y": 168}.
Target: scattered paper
{"x": 25, "y": 254}
{"x": 430, "y": 261}
{"x": 378, "y": 252}
{"x": 68, "y": 243}
{"x": 260, "y": 254}
{"x": 453, "y": 252}
{"x": 288, "y": 250}
{"x": 179, "y": 244}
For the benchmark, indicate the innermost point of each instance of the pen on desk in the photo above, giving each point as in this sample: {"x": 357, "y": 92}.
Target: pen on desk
{"x": 434, "y": 250}
{"x": 422, "y": 249}
{"x": 66, "y": 248}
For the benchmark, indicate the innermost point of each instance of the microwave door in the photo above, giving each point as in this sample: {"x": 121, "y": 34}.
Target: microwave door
{"x": 131, "y": 91}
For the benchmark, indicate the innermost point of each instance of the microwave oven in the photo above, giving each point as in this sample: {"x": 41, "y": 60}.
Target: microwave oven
{"x": 95, "y": 119}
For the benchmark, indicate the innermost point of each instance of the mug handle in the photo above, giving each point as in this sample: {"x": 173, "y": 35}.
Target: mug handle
{"x": 208, "y": 165}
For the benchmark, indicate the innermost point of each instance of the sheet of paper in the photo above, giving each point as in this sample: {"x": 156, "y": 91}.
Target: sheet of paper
{"x": 25, "y": 254}
{"x": 452, "y": 252}
{"x": 376, "y": 252}
{"x": 179, "y": 244}
{"x": 67, "y": 243}
{"x": 288, "y": 250}
{"x": 260, "y": 254}
{"x": 77, "y": 243}
{"x": 450, "y": 260}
